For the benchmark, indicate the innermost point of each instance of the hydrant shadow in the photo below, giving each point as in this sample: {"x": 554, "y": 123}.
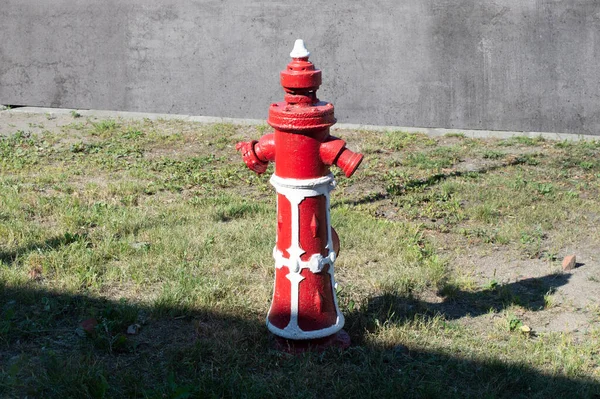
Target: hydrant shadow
{"x": 392, "y": 308}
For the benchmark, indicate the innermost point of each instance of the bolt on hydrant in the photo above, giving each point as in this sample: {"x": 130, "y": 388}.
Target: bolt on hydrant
{"x": 304, "y": 311}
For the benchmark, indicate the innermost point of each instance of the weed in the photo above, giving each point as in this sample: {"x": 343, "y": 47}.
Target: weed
{"x": 571, "y": 194}
{"x": 487, "y": 236}
{"x": 524, "y": 140}
{"x": 513, "y": 323}
{"x": 132, "y": 134}
{"x": 104, "y": 126}
{"x": 423, "y": 161}
{"x": 486, "y": 213}
{"x": 545, "y": 188}
{"x": 531, "y": 241}
{"x": 493, "y": 154}
{"x": 549, "y": 299}
{"x": 492, "y": 284}
{"x": 529, "y": 159}
{"x": 399, "y": 140}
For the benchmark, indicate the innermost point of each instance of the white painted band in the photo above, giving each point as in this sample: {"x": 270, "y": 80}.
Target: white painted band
{"x": 296, "y": 191}
{"x": 296, "y": 333}
{"x": 300, "y": 184}
{"x": 315, "y": 264}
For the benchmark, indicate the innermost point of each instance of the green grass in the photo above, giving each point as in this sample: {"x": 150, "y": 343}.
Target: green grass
{"x": 159, "y": 223}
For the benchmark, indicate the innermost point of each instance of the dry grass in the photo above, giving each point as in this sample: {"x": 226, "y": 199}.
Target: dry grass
{"x": 449, "y": 246}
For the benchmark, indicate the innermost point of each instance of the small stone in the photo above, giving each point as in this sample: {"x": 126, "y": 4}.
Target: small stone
{"x": 88, "y": 325}
{"x": 569, "y": 263}
{"x": 133, "y": 329}
{"x": 140, "y": 245}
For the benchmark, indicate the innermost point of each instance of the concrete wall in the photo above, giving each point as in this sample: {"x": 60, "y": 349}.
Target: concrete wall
{"x": 531, "y": 65}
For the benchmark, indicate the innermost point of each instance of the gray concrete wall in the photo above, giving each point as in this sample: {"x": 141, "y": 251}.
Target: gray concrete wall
{"x": 519, "y": 65}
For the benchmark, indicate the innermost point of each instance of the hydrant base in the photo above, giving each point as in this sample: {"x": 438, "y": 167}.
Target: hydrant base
{"x": 340, "y": 340}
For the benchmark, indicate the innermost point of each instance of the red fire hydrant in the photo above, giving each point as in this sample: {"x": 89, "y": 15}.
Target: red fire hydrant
{"x": 304, "y": 312}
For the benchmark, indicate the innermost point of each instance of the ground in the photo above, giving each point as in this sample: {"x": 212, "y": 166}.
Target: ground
{"x": 449, "y": 275}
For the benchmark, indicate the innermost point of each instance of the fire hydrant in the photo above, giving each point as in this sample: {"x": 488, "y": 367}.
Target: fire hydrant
{"x": 304, "y": 311}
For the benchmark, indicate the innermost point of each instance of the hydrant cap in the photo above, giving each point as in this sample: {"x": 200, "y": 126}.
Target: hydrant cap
{"x": 299, "y": 50}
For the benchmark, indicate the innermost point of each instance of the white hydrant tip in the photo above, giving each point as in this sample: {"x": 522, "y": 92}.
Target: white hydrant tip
{"x": 299, "y": 50}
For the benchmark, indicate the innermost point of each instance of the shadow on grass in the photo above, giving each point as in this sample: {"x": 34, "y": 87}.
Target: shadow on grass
{"x": 400, "y": 188}
{"x": 181, "y": 353}
{"x": 397, "y": 189}
{"x": 9, "y": 257}
{"x": 56, "y": 242}
{"x": 528, "y": 293}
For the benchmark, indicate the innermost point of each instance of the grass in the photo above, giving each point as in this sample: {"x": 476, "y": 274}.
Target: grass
{"x": 158, "y": 223}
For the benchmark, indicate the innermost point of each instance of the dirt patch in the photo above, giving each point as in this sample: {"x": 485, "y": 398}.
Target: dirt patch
{"x": 542, "y": 295}
{"x": 10, "y": 123}
{"x": 563, "y": 322}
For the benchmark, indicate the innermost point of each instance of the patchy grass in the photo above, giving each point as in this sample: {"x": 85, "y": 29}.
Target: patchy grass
{"x": 450, "y": 246}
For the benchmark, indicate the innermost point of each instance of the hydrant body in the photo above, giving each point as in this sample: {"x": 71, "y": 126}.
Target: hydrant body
{"x": 304, "y": 305}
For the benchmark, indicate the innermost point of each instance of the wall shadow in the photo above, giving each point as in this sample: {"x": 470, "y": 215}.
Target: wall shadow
{"x": 181, "y": 352}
